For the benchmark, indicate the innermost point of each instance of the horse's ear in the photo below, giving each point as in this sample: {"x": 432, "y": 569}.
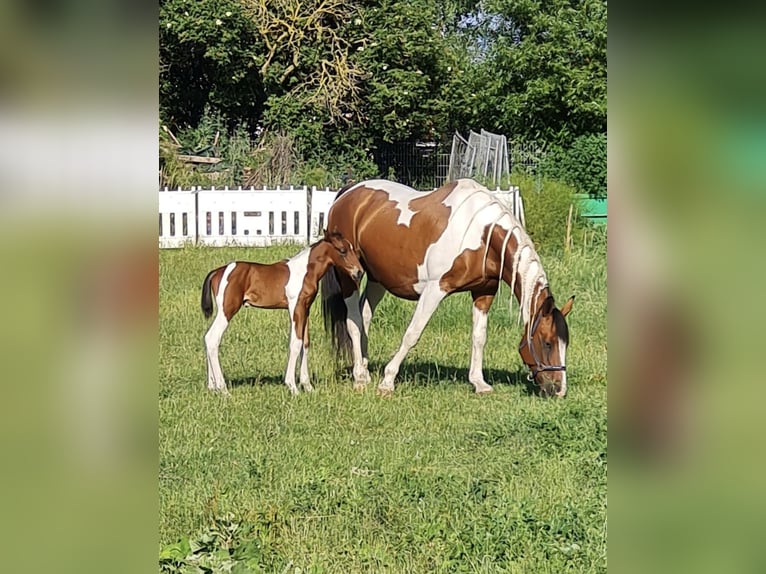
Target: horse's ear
{"x": 567, "y": 306}
{"x": 547, "y": 306}
{"x": 325, "y": 235}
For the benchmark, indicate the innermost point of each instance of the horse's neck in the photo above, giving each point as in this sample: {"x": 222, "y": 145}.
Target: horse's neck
{"x": 319, "y": 258}
{"x": 522, "y": 271}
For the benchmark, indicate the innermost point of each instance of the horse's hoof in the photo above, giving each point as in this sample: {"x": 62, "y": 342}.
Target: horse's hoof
{"x": 484, "y": 390}
{"x": 359, "y": 387}
{"x": 308, "y": 388}
{"x": 385, "y": 392}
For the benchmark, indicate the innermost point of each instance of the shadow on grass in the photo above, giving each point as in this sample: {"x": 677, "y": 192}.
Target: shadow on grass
{"x": 416, "y": 374}
{"x": 426, "y": 374}
{"x": 256, "y": 381}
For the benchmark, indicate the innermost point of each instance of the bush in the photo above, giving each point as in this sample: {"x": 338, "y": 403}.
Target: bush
{"x": 582, "y": 165}
{"x": 546, "y": 210}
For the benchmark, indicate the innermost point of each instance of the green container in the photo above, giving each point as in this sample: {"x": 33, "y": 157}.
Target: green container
{"x": 592, "y": 209}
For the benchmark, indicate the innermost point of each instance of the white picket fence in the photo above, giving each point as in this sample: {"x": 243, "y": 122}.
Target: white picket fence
{"x": 256, "y": 217}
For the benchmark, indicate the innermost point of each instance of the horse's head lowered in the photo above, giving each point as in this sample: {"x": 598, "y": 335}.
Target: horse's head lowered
{"x": 343, "y": 255}
{"x": 543, "y": 347}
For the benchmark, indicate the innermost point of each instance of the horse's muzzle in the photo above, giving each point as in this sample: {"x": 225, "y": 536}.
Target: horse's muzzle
{"x": 357, "y": 276}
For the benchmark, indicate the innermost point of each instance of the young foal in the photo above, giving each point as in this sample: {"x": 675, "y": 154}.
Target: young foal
{"x": 290, "y": 284}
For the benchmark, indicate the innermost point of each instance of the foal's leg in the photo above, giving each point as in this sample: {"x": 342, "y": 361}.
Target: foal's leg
{"x": 305, "y": 382}
{"x": 429, "y": 300}
{"x": 355, "y": 330}
{"x": 372, "y": 295}
{"x": 215, "y": 380}
{"x": 294, "y": 350}
{"x": 481, "y": 305}
{"x": 226, "y": 308}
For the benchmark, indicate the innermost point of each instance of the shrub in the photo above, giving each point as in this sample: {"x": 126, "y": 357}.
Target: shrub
{"x": 582, "y": 165}
{"x": 546, "y": 210}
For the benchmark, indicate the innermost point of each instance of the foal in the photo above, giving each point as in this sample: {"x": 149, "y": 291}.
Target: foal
{"x": 291, "y": 284}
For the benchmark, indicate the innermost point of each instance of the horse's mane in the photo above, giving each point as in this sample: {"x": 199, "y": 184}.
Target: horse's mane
{"x": 526, "y": 261}
{"x": 344, "y": 189}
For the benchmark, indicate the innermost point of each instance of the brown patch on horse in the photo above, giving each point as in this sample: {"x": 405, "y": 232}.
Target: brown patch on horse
{"x": 393, "y": 259}
{"x": 471, "y": 264}
{"x": 266, "y": 292}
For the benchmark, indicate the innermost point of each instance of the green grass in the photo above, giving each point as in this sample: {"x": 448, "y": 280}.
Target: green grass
{"x": 435, "y": 479}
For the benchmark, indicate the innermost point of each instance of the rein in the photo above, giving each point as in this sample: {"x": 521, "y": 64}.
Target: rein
{"x": 539, "y": 367}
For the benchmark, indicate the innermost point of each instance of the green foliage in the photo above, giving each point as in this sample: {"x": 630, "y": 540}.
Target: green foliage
{"x": 539, "y": 69}
{"x": 434, "y": 479}
{"x": 340, "y": 77}
{"x": 210, "y": 137}
{"x": 207, "y": 60}
{"x": 546, "y": 208}
{"x": 581, "y": 165}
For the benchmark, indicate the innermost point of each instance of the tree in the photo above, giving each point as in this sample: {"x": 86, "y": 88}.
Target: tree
{"x": 207, "y": 61}
{"x": 539, "y": 69}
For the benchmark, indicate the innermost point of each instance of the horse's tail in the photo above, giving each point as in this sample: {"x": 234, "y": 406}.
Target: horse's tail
{"x": 335, "y": 313}
{"x": 207, "y": 294}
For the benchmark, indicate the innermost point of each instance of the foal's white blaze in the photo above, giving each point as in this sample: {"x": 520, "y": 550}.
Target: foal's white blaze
{"x": 563, "y": 358}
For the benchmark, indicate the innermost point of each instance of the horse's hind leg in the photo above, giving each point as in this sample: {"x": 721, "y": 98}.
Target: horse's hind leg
{"x": 227, "y": 305}
{"x": 429, "y": 300}
{"x": 215, "y": 380}
{"x": 481, "y": 304}
{"x": 372, "y": 295}
{"x": 355, "y": 329}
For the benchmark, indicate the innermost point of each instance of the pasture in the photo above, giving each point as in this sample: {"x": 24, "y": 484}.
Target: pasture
{"x": 434, "y": 479}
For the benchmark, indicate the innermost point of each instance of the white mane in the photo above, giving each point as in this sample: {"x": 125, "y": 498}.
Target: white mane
{"x": 526, "y": 261}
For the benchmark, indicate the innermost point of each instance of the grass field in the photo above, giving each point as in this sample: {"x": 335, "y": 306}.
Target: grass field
{"x": 435, "y": 479}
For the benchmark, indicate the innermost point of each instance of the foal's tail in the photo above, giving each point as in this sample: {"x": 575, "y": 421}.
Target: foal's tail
{"x": 207, "y": 295}
{"x": 334, "y": 312}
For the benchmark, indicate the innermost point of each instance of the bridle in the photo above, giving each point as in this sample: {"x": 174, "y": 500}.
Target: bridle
{"x": 539, "y": 367}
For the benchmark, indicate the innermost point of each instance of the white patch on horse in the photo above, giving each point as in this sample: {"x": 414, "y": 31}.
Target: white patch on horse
{"x": 398, "y": 193}
{"x": 472, "y": 209}
{"x": 297, "y": 265}
{"x": 215, "y": 380}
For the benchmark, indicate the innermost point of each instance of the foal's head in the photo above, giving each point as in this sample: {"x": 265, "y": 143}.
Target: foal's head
{"x": 342, "y": 255}
{"x": 544, "y": 344}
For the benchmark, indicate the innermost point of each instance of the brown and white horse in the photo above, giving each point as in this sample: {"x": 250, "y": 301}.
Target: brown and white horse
{"x": 425, "y": 246}
{"x": 291, "y": 284}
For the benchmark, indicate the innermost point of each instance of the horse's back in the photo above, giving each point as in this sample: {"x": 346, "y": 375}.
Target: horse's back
{"x": 408, "y": 237}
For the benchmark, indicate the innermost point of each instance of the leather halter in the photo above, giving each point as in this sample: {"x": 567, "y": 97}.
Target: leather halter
{"x": 538, "y": 367}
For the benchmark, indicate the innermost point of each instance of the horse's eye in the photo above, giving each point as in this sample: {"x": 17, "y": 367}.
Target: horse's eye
{"x": 548, "y": 344}
{"x": 343, "y": 252}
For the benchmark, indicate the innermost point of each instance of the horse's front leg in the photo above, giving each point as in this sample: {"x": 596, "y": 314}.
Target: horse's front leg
{"x": 305, "y": 382}
{"x": 481, "y": 305}
{"x": 429, "y": 300}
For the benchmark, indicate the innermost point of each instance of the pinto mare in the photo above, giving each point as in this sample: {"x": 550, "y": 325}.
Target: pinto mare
{"x": 425, "y": 246}
{"x": 291, "y": 284}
